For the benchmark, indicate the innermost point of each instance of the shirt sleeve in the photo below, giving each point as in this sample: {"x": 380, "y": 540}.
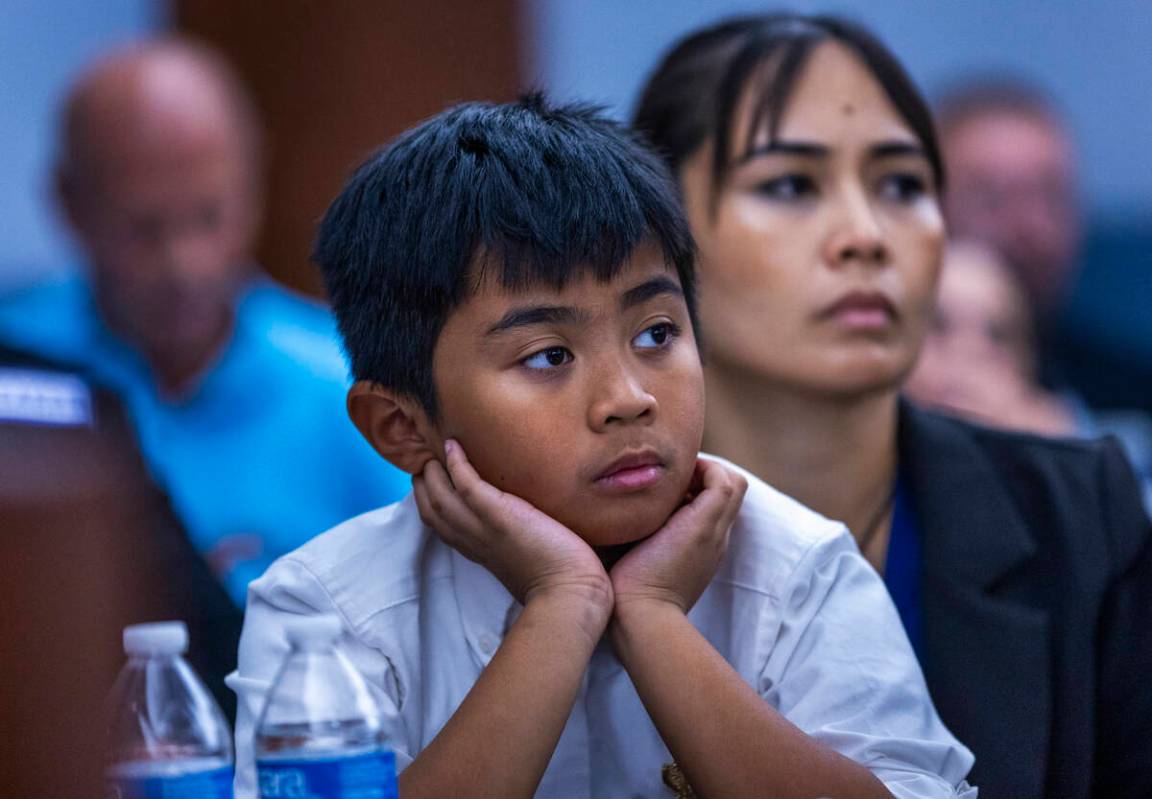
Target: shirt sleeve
{"x": 287, "y": 592}
{"x": 841, "y": 669}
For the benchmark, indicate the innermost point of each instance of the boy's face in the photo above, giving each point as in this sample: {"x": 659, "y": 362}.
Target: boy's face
{"x": 586, "y": 402}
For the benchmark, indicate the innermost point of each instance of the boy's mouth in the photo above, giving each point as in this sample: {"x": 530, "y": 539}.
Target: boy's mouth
{"x": 633, "y": 471}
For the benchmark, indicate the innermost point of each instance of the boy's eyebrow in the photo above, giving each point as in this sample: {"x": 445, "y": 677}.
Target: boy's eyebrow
{"x": 536, "y": 315}
{"x": 649, "y": 289}
{"x": 564, "y": 314}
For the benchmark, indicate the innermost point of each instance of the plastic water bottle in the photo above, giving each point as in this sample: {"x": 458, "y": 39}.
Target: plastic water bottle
{"x": 169, "y": 739}
{"x": 320, "y": 734}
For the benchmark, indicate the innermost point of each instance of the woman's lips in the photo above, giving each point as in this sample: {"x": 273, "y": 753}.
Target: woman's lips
{"x": 861, "y": 310}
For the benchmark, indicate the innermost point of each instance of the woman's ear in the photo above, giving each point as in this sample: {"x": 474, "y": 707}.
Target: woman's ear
{"x": 396, "y": 426}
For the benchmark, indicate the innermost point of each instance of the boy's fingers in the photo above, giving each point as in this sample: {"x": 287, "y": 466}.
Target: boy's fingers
{"x": 430, "y": 510}
{"x": 427, "y": 514}
{"x": 442, "y": 498}
{"x": 730, "y": 483}
{"x": 719, "y": 500}
{"x": 476, "y": 493}
{"x": 734, "y": 500}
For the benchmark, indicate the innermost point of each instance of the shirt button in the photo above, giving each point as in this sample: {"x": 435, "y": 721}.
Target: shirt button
{"x": 488, "y": 644}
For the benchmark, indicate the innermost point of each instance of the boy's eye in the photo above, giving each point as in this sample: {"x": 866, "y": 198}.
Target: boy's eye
{"x": 548, "y": 358}
{"x": 656, "y": 336}
{"x": 902, "y": 187}
{"x": 787, "y": 188}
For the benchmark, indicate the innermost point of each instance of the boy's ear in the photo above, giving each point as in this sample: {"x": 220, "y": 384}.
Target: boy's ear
{"x": 395, "y": 425}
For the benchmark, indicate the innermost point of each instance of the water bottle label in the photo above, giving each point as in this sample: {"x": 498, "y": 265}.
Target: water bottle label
{"x": 368, "y": 776}
{"x": 214, "y": 784}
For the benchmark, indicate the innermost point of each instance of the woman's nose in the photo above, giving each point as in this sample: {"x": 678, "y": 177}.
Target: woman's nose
{"x": 858, "y": 236}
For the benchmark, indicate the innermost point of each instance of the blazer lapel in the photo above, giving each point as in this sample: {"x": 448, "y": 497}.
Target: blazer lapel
{"x": 986, "y": 654}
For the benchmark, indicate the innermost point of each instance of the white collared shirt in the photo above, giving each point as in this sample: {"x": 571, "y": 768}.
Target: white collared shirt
{"x": 793, "y": 608}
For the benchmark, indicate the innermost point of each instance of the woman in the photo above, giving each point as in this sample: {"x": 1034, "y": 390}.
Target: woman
{"x": 978, "y": 361}
{"x": 1021, "y": 566}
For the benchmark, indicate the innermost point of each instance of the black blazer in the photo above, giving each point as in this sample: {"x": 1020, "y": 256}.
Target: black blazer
{"x": 1037, "y": 606}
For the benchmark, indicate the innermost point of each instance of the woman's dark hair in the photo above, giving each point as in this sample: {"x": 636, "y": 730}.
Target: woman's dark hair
{"x": 525, "y": 193}
{"x": 695, "y": 92}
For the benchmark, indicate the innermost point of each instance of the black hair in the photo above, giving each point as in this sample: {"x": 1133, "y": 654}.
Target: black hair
{"x": 695, "y": 91}
{"x": 527, "y": 192}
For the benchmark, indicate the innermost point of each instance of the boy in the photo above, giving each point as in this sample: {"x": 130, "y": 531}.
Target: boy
{"x": 572, "y": 603}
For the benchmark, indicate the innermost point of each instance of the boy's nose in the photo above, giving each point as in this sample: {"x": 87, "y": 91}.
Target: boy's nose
{"x": 622, "y": 400}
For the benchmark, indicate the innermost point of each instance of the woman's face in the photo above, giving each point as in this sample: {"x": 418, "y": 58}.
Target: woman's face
{"x": 819, "y": 260}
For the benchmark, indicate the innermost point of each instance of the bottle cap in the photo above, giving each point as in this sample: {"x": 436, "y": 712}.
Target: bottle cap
{"x": 314, "y": 632}
{"x": 156, "y": 638}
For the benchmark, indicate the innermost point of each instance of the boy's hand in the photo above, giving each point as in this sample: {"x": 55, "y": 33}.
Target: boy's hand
{"x": 531, "y": 553}
{"x": 675, "y": 564}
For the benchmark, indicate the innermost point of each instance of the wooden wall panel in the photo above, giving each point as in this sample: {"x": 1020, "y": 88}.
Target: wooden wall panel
{"x": 335, "y": 79}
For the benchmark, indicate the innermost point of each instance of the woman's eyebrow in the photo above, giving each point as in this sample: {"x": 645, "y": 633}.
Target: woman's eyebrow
{"x": 890, "y": 149}
{"x": 780, "y": 147}
{"x": 884, "y": 149}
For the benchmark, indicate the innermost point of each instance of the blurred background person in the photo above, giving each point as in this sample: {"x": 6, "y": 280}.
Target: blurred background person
{"x": 979, "y": 361}
{"x": 1013, "y": 184}
{"x": 230, "y": 380}
{"x": 979, "y": 356}
{"x": 1020, "y": 565}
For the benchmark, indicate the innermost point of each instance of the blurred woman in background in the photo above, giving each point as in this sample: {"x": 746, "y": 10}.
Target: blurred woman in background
{"x": 1021, "y": 566}
{"x": 979, "y": 359}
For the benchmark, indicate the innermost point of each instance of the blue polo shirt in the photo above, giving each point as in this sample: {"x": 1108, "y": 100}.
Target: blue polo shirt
{"x": 260, "y": 456}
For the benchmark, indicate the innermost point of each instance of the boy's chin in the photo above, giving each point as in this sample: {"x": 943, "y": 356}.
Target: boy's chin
{"x": 613, "y": 537}
{"x": 613, "y": 523}
{"x": 623, "y": 529}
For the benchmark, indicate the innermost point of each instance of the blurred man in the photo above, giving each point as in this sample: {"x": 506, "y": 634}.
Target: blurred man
{"x": 230, "y": 380}
{"x": 1012, "y": 184}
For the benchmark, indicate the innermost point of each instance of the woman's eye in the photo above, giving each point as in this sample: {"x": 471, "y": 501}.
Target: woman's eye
{"x": 903, "y": 188}
{"x": 656, "y": 336}
{"x": 548, "y": 358}
{"x": 787, "y": 188}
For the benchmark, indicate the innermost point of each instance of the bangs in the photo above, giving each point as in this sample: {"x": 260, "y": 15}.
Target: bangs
{"x": 766, "y": 67}
{"x": 550, "y": 208}
{"x": 533, "y": 240}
